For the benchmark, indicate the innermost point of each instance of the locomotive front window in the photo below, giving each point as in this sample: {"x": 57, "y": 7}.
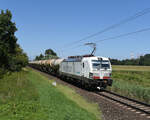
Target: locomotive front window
{"x": 105, "y": 66}
{"x": 97, "y": 64}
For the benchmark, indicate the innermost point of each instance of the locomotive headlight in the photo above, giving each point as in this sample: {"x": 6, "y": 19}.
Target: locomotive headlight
{"x": 105, "y": 81}
{"x": 90, "y": 75}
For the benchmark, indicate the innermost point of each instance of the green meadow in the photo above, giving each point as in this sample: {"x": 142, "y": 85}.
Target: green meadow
{"x": 132, "y": 81}
{"x": 28, "y": 95}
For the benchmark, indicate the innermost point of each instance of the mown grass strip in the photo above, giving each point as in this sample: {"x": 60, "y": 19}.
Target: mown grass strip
{"x": 71, "y": 94}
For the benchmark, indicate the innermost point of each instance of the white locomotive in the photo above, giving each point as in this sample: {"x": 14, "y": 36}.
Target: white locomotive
{"x": 88, "y": 71}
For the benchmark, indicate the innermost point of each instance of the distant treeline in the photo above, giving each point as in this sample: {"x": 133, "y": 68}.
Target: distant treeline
{"x": 142, "y": 61}
{"x": 49, "y": 54}
{"x": 12, "y": 57}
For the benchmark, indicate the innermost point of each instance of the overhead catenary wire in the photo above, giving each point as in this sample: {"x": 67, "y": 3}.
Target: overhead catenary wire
{"x": 124, "y": 35}
{"x": 118, "y": 36}
{"x": 135, "y": 16}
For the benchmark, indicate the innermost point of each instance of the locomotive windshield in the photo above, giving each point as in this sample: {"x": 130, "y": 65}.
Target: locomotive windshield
{"x": 98, "y": 64}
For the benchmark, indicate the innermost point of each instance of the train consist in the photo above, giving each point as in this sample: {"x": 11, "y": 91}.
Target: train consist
{"x": 87, "y": 71}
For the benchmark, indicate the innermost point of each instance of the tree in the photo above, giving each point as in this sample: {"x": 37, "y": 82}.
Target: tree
{"x": 12, "y": 57}
{"x": 7, "y": 38}
{"x": 143, "y": 60}
{"x": 40, "y": 57}
{"x": 50, "y": 52}
{"x": 19, "y": 60}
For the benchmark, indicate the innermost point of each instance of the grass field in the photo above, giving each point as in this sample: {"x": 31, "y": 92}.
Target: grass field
{"x": 27, "y": 95}
{"x": 132, "y": 81}
{"x": 131, "y": 68}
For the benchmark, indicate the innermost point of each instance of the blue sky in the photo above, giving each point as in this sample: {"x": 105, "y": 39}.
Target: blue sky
{"x": 44, "y": 24}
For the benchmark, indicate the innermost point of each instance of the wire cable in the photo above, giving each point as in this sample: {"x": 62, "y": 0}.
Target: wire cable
{"x": 124, "y": 35}
{"x": 135, "y": 16}
{"x": 118, "y": 36}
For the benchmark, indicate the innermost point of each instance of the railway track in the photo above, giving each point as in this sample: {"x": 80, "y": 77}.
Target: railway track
{"x": 134, "y": 104}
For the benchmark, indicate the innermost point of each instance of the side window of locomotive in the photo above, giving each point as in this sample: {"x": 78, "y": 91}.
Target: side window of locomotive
{"x": 83, "y": 65}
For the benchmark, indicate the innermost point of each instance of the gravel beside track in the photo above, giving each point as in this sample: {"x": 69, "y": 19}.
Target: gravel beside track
{"x": 110, "y": 110}
{"x": 137, "y": 105}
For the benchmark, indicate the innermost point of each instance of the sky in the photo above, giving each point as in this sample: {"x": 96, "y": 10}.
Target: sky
{"x": 57, "y": 24}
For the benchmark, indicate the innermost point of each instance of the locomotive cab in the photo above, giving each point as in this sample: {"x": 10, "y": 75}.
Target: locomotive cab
{"x": 99, "y": 69}
{"x": 91, "y": 71}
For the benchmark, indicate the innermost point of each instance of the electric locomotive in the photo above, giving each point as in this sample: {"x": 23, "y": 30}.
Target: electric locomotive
{"x": 90, "y": 71}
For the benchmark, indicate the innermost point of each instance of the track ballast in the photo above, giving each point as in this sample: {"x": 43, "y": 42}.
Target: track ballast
{"x": 134, "y": 104}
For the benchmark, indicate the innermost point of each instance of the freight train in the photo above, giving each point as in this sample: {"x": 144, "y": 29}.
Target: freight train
{"x": 88, "y": 71}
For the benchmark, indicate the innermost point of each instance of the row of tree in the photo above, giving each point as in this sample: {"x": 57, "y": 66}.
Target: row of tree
{"x": 12, "y": 57}
{"x": 142, "y": 61}
{"x": 49, "y": 54}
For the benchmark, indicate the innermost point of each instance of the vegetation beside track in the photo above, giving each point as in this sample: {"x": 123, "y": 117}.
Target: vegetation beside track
{"x": 132, "y": 81}
{"x": 27, "y": 95}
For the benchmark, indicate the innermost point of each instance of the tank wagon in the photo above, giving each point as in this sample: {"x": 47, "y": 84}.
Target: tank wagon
{"x": 87, "y": 71}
